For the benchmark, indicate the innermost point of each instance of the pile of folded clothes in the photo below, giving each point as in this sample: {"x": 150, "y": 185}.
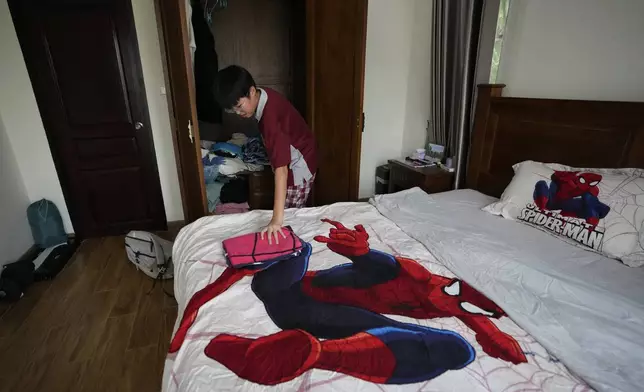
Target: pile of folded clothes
{"x": 224, "y": 167}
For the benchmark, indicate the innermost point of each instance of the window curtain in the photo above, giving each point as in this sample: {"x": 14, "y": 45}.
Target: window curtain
{"x": 456, "y": 25}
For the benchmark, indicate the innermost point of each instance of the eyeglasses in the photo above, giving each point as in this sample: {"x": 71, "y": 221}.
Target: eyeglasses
{"x": 237, "y": 109}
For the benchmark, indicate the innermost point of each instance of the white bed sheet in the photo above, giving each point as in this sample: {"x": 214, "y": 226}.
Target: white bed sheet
{"x": 586, "y": 309}
{"x": 199, "y": 259}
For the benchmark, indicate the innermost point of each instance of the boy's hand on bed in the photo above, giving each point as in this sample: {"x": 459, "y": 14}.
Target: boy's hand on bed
{"x": 273, "y": 231}
{"x": 345, "y": 241}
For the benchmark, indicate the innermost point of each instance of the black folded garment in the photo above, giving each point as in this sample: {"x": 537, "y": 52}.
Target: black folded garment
{"x": 235, "y": 191}
{"x": 15, "y": 278}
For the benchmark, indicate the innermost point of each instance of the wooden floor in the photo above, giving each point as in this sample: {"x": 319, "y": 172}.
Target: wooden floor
{"x": 92, "y": 328}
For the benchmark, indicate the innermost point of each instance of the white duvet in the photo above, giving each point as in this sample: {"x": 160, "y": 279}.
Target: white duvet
{"x": 586, "y": 309}
{"x": 199, "y": 260}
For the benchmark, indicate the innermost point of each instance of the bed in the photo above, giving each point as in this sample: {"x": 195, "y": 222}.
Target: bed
{"x": 576, "y": 324}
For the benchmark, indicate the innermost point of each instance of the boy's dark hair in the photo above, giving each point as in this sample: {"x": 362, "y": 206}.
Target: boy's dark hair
{"x": 231, "y": 84}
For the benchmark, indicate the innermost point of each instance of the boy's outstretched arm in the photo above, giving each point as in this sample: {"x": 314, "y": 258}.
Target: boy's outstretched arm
{"x": 274, "y": 228}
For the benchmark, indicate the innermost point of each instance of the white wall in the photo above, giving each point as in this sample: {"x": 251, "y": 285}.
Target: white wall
{"x": 397, "y": 81}
{"x": 150, "y": 50}
{"x": 15, "y": 235}
{"x": 22, "y": 122}
{"x": 25, "y": 130}
{"x": 578, "y": 49}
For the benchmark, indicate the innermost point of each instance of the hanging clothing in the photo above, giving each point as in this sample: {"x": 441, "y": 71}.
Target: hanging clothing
{"x": 206, "y": 66}
{"x": 211, "y": 6}
{"x": 192, "y": 44}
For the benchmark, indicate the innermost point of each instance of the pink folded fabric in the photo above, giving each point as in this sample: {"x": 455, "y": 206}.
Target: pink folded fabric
{"x": 251, "y": 249}
{"x": 231, "y": 208}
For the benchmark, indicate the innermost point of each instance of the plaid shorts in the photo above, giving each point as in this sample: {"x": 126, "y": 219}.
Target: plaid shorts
{"x": 297, "y": 196}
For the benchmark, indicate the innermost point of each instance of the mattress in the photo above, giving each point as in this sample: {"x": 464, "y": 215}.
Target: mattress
{"x": 585, "y": 309}
{"x": 238, "y": 312}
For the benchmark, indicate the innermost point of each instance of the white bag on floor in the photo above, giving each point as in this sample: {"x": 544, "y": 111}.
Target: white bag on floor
{"x": 150, "y": 253}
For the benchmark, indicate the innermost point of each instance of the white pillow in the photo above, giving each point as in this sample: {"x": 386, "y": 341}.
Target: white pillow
{"x": 599, "y": 209}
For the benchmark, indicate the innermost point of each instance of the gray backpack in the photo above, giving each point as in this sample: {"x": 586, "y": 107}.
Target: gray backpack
{"x": 150, "y": 253}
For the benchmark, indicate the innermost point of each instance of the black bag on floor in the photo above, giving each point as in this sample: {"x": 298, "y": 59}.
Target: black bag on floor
{"x": 15, "y": 278}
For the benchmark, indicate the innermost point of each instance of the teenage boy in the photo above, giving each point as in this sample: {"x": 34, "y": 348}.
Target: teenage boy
{"x": 289, "y": 142}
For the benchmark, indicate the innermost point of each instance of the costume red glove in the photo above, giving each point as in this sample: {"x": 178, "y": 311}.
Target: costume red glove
{"x": 503, "y": 346}
{"x": 345, "y": 241}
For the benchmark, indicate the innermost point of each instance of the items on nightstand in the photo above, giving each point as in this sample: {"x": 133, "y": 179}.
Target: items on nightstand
{"x": 417, "y": 162}
{"x": 436, "y": 152}
{"x": 430, "y": 179}
{"x": 419, "y": 154}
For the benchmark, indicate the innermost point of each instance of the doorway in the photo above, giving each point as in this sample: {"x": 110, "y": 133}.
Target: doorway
{"x": 320, "y": 69}
{"x": 83, "y": 61}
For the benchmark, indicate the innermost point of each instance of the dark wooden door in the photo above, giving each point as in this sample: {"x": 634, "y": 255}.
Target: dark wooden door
{"x": 182, "y": 100}
{"x": 83, "y": 60}
{"x": 336, "y": 38}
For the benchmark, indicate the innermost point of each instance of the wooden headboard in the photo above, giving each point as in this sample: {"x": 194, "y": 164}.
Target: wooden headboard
{"x": 577, "y": 133}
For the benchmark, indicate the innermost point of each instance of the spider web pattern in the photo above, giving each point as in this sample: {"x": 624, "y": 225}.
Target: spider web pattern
{"x": 624, "y": 234}
{"x": 244, "y": 315}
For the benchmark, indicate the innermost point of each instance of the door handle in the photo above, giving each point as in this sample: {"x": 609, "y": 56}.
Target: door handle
{"x": 138, "y": 126}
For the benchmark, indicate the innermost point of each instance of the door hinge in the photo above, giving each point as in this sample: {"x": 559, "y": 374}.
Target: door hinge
{"x": 190, "y": 135}
{"x": 362, "y": 122}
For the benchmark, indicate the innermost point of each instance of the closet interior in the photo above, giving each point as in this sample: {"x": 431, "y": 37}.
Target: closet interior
{"x": 265, "y": 37}
{"x": 312, "y": 51}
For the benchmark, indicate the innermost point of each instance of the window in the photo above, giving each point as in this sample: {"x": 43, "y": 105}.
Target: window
{"x": 504, "y": 7}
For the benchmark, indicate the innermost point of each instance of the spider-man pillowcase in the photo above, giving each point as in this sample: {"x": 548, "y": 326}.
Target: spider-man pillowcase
{"x": 599, "y": 209}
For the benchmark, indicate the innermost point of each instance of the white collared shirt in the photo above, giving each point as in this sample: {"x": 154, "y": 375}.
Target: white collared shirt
{"x": 263, "y": 98}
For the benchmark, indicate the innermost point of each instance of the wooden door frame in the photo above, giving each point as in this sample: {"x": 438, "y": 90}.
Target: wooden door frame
{"x": 24, "y": 30}
{"x": 358, "y": 89}
{"x": 193, "y": 208}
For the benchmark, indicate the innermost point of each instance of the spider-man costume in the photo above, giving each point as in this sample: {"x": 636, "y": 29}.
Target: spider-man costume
{"x": 343, "y": 306}
{"x": 574, "y": 193}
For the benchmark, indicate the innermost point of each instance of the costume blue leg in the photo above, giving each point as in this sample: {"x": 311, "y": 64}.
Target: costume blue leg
{"x": 592, "y": 207}
{"x": 364, "y": 271}
{"x": 421, "y": 352}
{"x": 282, "y": 275}
{"x": 570, "y": 206}
{"x": 422, "y": 356}
{"x": 540, "y": 189}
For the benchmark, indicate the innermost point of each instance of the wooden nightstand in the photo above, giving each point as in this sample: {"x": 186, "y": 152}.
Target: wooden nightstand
{"x": 430, "y": 179}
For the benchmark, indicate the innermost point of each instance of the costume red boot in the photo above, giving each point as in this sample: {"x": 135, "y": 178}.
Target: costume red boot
{"x": 285, "y": 355}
